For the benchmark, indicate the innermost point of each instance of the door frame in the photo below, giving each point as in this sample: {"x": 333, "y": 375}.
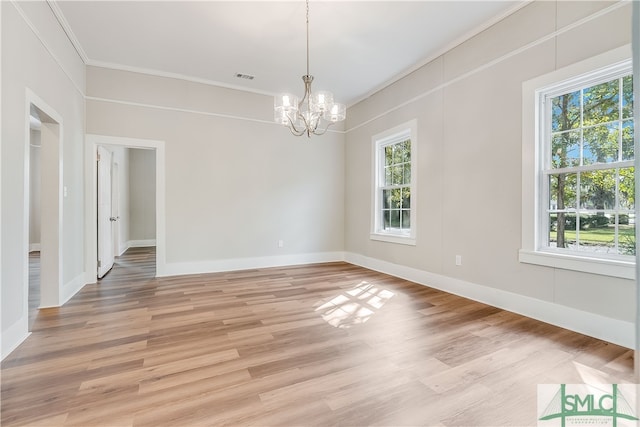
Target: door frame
{"x": 92, "y": 141}
{"x": 50, "y": 286}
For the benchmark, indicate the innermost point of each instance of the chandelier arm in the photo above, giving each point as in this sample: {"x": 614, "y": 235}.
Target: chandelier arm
{"x": 292, "y": 127}
{"x": 295, "y": 132}
{"x": 307, "y": 124}
{"x": 322, "y": 132}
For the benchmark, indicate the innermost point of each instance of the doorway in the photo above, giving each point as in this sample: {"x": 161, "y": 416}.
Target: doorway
{"x": 43, "y": 197}
{"x": 126, "y": 203}
{"x": 121, "y": 170}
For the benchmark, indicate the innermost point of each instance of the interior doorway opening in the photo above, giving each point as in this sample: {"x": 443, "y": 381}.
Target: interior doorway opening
{"x": 43, "y": 193}
{"x": 157, "y": 147}
{"x": 126, "y": 203}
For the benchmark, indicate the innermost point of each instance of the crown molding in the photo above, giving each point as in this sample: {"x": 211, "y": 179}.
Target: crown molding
{"x": 57, "y": 12}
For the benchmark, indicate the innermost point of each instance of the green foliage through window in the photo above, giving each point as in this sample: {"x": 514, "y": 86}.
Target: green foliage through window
{"x": 591, "y": 184}
{"x": 396, "y": 189}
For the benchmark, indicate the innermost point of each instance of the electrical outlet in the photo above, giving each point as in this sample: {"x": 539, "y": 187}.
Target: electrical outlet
{"x": 281, "y": 243}
{"x": 458, "y": 259}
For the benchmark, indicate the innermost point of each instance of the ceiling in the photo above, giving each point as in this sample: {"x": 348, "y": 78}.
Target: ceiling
{"x": 356, "y": 47}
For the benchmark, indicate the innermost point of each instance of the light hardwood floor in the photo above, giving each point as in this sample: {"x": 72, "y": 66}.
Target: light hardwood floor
{"x": 323, "y": 345}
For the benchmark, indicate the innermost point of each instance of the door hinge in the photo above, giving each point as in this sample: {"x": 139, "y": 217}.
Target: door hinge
{"x": 97, "y": 157}
{"x": 99, "y": 263}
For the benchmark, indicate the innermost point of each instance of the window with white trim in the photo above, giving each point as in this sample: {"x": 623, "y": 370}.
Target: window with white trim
{"x": 578, "y": 167}
{"x": 587, "y": 171}
{"x": 394, "y": 185}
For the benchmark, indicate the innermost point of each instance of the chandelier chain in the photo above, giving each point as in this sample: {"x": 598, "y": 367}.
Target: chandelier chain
{"x": 307, "y": 37}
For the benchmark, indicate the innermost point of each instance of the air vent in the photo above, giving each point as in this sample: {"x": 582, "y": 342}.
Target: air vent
{"x": 245, "y": 76}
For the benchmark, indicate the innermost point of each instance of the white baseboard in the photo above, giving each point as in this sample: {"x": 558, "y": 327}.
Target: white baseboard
{"x": 122, "y": 248}
{"x": 14, "y": 335}
{"x": 34, "y": 247}
{"x": 216, "y": 266}
{"x": 135, "y": 244}
{"x": 72, "y": 288}
{"x": 141, "y": 243}
{"x": 612, "y": 330}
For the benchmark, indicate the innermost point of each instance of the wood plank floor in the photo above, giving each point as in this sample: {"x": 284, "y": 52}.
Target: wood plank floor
{"x": 328, "y": 344}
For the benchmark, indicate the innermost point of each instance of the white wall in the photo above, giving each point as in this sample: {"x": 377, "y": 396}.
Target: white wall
{"x": 37, "y": 55}
{"x": 468, "y": 106}
{"x": 236, "y": 183}
{"x": 142, "y": 196}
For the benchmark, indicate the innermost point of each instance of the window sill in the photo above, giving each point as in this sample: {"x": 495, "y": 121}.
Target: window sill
{"x": 605, "y": 267}
{"x": 390, "y": 238}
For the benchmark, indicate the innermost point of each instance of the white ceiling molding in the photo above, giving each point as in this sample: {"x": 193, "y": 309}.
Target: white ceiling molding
{"x": 68, "y": 31}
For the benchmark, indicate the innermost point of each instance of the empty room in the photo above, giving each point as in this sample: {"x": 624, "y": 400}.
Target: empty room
{"x": 318, "y": 213}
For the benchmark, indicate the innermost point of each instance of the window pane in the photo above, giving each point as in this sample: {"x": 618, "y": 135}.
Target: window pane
{"x": 398, "y": 153}
{"x": 388, "y": 155}
{"x": 406, "y": 198}
{"x": 562, "y": 191}
{"x": 565, "y": 149}
{"x": 598, "y": 189}
{"x": 386, "y": 199}
{"x": 407, "y": 173}
{"x": 600, "y": 144}
{"x": 626, "y": 234}
{"x": 394, "y": 218}
{"x": 597, "y": 234}
{"x": 388, "y": 177}
{"x": 565, "y": 112}
{"x": 600, "y": 103}
{"x": 627, "y": 140}
{"x": 627, "y": 97}
{"x": 626, "y": 186}
{"x": 406, "y": 219}
{"x": 392, "y": 199}
{"x": 406, "y": 153}
{"x": 562, "y": 230}
{"x": 396, "y": 175}
{"x": 386, "y": 217}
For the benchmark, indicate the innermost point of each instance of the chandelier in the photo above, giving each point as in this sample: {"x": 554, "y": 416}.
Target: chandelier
{"x": 314, "y": 113}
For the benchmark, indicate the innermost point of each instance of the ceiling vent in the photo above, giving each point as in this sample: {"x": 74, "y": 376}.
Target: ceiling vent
{"x": 245, "y": 76}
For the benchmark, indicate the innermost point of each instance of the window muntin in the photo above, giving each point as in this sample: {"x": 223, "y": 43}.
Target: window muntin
{"x": 394, "y": 185}
{"x": 587, "y": 172}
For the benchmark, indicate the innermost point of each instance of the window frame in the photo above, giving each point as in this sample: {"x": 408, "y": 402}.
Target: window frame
{"x": 395, "y": 135}
{"x": 534, "y": 157}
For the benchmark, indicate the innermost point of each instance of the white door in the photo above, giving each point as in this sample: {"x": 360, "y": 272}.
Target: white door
{"x": 105, "y": 216}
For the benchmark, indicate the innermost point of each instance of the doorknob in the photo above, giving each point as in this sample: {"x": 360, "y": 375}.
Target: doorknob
{"x": 113, "y": 218}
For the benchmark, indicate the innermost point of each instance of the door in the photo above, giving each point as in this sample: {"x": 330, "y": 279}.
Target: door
{"x": 105, "y": 215}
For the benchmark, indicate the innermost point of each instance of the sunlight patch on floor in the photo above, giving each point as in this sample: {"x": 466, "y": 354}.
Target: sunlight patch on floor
{"x": 355, "y": 306}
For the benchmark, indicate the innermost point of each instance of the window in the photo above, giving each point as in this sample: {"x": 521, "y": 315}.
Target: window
{"x": 582, "y": 145}
{"x": 394, "y": 185}
{"x": 588, "y": 174}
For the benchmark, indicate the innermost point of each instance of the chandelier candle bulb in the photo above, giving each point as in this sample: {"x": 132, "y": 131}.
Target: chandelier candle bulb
{"x": 314, "y": 113}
